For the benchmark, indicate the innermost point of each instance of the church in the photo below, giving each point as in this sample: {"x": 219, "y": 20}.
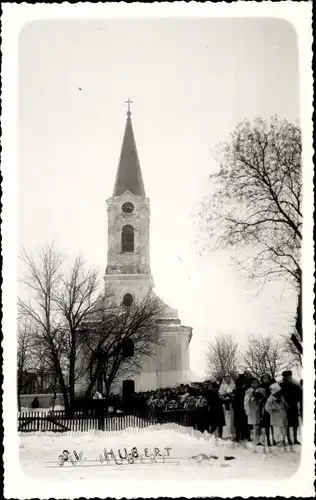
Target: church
{"x": 128, "y": 273}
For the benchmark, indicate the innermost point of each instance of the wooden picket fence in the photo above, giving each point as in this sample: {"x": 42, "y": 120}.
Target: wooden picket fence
{"x": 58, "y": 421}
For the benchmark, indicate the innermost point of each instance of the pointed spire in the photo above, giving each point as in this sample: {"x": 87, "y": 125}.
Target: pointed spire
{"x": 129, "y": 175}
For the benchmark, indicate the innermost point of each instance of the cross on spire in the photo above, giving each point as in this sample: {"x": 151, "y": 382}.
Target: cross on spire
{"x": 128, "y": 102}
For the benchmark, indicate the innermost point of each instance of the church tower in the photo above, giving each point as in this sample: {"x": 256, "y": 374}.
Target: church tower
{"x": 128, "y": 259}
{"x": 128, "y": 273}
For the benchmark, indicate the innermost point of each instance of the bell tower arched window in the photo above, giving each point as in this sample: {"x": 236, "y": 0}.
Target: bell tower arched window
{"x": 128, "y": 239}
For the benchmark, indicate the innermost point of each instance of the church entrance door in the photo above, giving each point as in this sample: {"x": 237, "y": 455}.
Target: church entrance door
{"x": 128, "y": 388}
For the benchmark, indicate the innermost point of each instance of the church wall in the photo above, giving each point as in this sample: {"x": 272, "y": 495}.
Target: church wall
{"x": 138, "y": 285}
{"x": 144, "y": 222}
{"x": 167, "y": 367}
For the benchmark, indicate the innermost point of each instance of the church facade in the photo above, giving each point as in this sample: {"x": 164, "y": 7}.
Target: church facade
{"x": 129, "y": 277}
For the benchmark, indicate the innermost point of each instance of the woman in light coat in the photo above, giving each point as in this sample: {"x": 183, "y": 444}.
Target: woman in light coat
{"x": 225, "y": 391}
{"x": 252, "y": 406}
{"x": 276, "y": 407}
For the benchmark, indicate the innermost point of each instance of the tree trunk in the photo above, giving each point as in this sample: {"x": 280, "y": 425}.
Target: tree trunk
{"x": 297, "y": 339}
{"x": 107, "y": 386}
{"x": 298, "y": 323}
{"x": 19, "y": 397}
{"x": 54, "y": 397}
{"x": 72, "y": 361}
{"x": 54, "y": 387}
{"x": 62, "y": 384}
{"x": 93, "y": 380}
{"x": 64, "y": 393}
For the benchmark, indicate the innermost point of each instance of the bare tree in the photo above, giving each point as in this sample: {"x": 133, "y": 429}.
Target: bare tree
{"x": 120, "y": 339}
{"x": 222, "y": 357}
{"x": 265, "y": 355}
{"x": 34, "y": 365}
{"x": 24, "y": 350}
{"x": 58, "y": 304}
{"x": 43, "y": 279}
{"x": 292, "y": 351}
{"x": 75, "y": 298}
{"x": 256, "y": 204}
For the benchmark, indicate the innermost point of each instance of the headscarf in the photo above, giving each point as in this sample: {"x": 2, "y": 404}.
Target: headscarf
{"x": 227, "y": 388}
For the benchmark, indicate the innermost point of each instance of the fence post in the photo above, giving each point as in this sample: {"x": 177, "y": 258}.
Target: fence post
{"x": 100, "y": 419}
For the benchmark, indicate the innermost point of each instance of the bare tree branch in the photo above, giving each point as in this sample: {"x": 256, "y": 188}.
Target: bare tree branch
{"x": 256, "y": 203}
{"x": 105, "y": 338}
{"x": 222, "y": 357}
{"x": 265, "y": 356}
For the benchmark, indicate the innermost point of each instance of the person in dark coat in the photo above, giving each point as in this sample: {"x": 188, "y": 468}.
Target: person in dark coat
{"x": 266, "y": 382}
{"x": 240, "y": 417}
{"x": 35, "y": 403}
{"x": 291, "y": 392}
{"x": 215, "y": 384}
{"x": 248, "y": 379}
{"x": 215, "y": 409}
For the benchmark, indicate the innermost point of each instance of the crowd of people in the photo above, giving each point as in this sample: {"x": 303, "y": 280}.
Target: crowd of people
{"x": 248, "y": 408}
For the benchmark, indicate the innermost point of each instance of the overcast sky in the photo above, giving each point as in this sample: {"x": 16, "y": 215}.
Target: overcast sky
{"x": 191, "y": 81}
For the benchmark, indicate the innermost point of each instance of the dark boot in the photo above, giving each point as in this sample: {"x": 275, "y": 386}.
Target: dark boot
{"x": 295, "y": 436}
{"x": 272, "y": 435}
{"x": 268, "y": 437}
{"x": 267, "y": 433}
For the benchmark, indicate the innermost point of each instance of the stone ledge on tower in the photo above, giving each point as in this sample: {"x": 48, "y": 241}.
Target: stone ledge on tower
{"x": 126, "y": 196}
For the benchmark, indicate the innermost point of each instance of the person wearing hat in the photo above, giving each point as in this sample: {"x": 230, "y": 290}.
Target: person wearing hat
{"x": 291, "y": 392}
{"x": 277, "y": 407}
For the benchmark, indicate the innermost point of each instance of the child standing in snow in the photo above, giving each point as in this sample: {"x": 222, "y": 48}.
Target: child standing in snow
{"x": 277, "y": 407}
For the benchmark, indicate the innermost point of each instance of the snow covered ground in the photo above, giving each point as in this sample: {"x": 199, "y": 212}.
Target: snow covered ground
{"x": 163, "y": 452}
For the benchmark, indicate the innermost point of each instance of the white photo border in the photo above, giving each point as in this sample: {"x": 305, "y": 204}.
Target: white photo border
{"x": 15, "y": 16}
